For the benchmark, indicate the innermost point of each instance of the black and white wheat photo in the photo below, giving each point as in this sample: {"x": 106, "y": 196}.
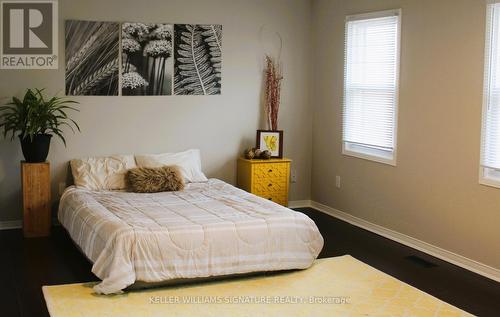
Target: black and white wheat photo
{"x": 92, "y": 58}
{"x": 198, "y": 59}
{"x": 147, "y": 66}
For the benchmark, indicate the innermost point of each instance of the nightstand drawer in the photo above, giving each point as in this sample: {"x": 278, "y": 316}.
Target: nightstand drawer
{"x": 269, "y": 186}
{"x": 277, "y": 198}
{"x": 271, "y": 171}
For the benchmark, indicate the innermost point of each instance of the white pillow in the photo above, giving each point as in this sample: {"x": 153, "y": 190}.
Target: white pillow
{"x": 102, "y": 173}
{"x": 189, "y": 163}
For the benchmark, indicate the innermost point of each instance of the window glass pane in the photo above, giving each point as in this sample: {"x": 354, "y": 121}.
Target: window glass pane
{"x": 490, "y": 138}
{"x": 370, "y": 81}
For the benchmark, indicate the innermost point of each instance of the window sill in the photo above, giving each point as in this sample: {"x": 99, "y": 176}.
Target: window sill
{"x": 369, "y": 154}
{"x": 489, "y": 177}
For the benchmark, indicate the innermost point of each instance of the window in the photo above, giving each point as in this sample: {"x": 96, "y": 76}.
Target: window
{"x": 371, "y": 72}
{"x": 490, "y": 136}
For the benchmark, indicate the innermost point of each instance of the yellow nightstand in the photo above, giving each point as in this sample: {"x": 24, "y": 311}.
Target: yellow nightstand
{"x": 265, "y": 178}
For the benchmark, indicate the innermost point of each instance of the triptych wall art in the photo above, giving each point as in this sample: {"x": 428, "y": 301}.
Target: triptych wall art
{"x": 142, "y": 59}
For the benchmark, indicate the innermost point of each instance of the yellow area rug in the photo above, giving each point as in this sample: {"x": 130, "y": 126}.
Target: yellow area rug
{"x": 339, "y": 286}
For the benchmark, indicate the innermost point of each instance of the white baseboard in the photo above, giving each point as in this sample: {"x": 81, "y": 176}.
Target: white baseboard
{"x": 18, "y": 224}
{"x": 299, "y": 203}
{"x": 448, "y": 256}
{"x": 14, "y": 224}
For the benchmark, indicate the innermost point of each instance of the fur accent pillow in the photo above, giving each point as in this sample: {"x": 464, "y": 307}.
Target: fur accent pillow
{"x": 156, "y": 179}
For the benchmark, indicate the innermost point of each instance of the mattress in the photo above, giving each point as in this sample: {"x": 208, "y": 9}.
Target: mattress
{"x": 208, "y": 229}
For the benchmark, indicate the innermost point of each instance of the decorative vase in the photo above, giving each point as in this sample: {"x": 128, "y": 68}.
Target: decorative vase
{"x": 36, "y": 150}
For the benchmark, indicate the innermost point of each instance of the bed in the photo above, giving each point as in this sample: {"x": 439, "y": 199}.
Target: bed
{"x": 209, "y": 229}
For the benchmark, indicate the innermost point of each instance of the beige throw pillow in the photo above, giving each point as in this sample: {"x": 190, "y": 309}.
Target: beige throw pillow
{"x": 102, "y": 173}
{"x": 188, "y": 162}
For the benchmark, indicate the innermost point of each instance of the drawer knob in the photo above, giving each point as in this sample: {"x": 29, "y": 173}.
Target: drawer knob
{"x": 270, "y": 171}
{"x": 270, "y": 198}
{"x": 269, "y": 185}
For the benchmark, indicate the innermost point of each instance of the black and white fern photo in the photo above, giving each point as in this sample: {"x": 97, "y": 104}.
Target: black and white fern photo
{"x": 147, "y": 65}
{"x": 198, "y": 59}
{"x": 92, "y": 58}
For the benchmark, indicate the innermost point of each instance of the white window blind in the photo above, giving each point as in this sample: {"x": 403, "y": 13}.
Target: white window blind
{"x": 490, "y": 136}
{"x": 371, "y": 72}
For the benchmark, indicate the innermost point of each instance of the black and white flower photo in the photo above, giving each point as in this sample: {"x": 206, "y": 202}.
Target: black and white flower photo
{"x": 198, "y": 59}
{"x": 147, "y": 63}
{"x": 92, "y": 58}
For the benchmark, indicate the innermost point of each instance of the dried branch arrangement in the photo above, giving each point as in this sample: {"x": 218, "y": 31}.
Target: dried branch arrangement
{"x": 274, "y": 76}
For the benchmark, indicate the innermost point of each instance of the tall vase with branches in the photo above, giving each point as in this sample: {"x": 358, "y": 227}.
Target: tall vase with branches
{"x": 273, "y": 77}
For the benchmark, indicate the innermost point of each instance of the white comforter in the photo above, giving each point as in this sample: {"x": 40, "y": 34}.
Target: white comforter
{"x": 208, "y": 229}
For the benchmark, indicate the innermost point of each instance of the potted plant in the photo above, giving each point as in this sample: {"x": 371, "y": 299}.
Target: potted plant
{"x": 35, "y": 119}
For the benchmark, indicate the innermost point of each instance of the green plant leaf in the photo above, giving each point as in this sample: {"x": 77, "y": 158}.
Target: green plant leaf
{"x": 35, "y": 114}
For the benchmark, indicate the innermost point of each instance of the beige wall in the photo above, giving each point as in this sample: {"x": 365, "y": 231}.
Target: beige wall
{"x": 433, "y": 193}
{"x": 221, "y": 126}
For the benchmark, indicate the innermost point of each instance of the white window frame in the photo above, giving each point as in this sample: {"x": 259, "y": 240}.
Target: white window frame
{"x": 368, "y": 152}
{"x": 487, "y": 176}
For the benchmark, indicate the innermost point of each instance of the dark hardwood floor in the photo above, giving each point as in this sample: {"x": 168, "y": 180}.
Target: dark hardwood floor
{"x": 27, "y": 264}
{"x": 469, "y": 291}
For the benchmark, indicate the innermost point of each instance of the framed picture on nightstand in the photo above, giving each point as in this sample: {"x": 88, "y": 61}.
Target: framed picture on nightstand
{"x": 271, "y": 140}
